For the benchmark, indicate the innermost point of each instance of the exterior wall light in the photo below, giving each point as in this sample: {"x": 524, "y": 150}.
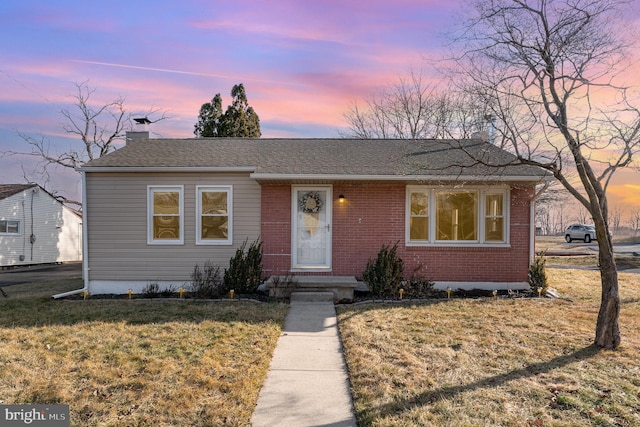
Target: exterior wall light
{"x": 341, "y": 198}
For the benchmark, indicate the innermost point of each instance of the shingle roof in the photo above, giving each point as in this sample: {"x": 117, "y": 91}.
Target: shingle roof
{"x": 8, "y": 190}
{"x": 320, "y": 157}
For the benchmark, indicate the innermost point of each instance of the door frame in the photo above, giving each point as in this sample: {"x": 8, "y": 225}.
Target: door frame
{"x": 328, "y": 204}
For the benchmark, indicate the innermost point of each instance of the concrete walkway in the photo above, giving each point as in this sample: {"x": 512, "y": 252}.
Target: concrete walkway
{"x": 307, "y": 383}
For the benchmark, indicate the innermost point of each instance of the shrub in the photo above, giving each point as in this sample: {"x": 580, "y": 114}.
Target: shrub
{"x": 282, "y": 286}
{"x": 206, "y": 281}
{"x": 168, "y": 292}
{"x": 384, "y": 275}
{"x": 245, "y": 269}
{"x": 419, "y": 287}
{"x": 538, "y": 274}
{"x": 152, "y": 290}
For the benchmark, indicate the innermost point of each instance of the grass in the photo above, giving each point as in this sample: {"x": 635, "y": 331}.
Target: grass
{"x": 623, "y": 261}
{"x": 135, "y": 363}
{"x": 487, "y": 362}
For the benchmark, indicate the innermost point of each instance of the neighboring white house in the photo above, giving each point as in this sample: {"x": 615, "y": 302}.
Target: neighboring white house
{"x": 36, "y": 228}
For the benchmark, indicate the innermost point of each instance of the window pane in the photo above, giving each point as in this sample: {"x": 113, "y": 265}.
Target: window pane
{"x": 419, "y": 203}
{"x": 166, "y": 203}
{"x": 3, "y": 226}
{"x": 13, "y": 227}
{"x": 419, "y": 228}
{"x": 494, "y": 205}
{"x": 166, "y": 227}
{"x": 215, "y": 227}
{"x": 494, "y": 229}
{"x": 456, "y": 216}
{"x": 214, "y": 202}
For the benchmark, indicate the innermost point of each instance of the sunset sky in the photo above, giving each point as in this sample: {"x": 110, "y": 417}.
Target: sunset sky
{"x": 303, "y": 63}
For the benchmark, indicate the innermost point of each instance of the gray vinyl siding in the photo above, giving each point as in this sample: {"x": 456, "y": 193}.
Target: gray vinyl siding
{"x": 116, "y": 211}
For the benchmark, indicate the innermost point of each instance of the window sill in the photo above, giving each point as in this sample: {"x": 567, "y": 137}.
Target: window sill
{"x": 457, "y": 245}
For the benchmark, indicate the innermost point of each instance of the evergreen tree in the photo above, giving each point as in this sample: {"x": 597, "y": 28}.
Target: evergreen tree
{"x": 239, "y": 120}
{"x": 209, "y": 118}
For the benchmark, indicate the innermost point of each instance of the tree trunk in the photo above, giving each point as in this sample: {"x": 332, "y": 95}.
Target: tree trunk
{"x": 607, "y": 328}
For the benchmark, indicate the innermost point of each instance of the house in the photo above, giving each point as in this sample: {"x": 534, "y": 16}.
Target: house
{"x": 322, "y": 208}
{"x": 36, "y": 228}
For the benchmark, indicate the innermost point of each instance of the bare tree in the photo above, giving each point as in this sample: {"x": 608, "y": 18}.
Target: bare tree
{"x": 615, "y": 217}
{"x": 550, "y": 206}
{"x": 415, "y": 109}
{"x": 634, "y": 221}
{"x": 538, "y": 64}
{"x": 97, "y": 128}
{"x": 560, "y": 221}
{"x": 583, "y": 215}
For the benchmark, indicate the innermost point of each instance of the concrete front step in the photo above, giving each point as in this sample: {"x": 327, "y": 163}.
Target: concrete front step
{"x": 340, "y": 286}
{"x": 312, "y": 297}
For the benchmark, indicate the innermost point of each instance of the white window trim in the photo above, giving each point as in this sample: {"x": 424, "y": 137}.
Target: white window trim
{"x": 151, "y": 189}
{"x": 482, "y": 192}
{"x": 19, "y": 233}
{"x": 218, "y": 188}
{"x": 482, "y": 215}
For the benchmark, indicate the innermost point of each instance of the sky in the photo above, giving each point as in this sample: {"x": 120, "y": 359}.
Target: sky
{"x": 303, "y": 63}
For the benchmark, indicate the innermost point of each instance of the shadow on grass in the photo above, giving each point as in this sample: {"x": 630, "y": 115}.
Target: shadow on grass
{"x": 433, "y": 396}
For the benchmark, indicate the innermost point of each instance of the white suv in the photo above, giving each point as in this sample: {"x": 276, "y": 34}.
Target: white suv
{"x": 586, "y": 233}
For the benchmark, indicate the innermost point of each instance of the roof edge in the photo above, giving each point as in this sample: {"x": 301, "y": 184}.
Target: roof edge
{"x": 248, "y": 169}
{"x": 347, "y": 177}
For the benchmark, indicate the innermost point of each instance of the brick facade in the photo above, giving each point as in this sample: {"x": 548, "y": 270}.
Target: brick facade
{"x": 373, "y": 215}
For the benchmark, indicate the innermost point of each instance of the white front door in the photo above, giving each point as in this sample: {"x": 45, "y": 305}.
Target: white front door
{"x": 311, "y": 234}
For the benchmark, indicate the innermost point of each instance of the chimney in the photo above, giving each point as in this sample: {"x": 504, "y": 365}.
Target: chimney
{"x": 133, "y": 136}
{"x": 491, "y": 124}
{"x": 142, "y": 132}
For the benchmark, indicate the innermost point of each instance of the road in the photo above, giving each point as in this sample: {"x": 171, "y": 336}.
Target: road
{"x": 39, "y": 273}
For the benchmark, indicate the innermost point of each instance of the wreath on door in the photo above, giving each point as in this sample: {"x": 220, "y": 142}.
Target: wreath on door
{"x": 310, "y": 202}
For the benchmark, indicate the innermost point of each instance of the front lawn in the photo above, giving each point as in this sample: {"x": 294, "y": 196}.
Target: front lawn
{"x": 495, "y": 362}
{"x": 142, "y": 363}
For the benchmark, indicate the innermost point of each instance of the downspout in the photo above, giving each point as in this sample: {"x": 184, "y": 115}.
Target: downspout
{"x": 85, "y": 244}
{"x": 23, "y": 226}
{"x": 532, "y": 222}
{"x": 32, "y": 238}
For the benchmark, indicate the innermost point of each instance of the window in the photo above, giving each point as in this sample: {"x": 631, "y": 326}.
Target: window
{"x": 9, "y": 227}
{"x": 456, "y": 215}
{"x": 419, "y": 216}
{"x": 165, "y": 215}
{"x": 446, "y": 216}
{"x": 214, "y": 219}
{"x": 494, "y": 217}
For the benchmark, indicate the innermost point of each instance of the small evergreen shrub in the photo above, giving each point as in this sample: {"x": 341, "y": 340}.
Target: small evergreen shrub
{"x": 206, "y": 282}
{"x": 538, "y": 274}
{"x": 384, "y": 275}
{"x": 245, "y": 269}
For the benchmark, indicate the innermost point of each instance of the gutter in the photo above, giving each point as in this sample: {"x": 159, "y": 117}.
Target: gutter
{"x": 348, "y": 177}
{"x": 85, "y": 246}
{"x": 222, "y": 169}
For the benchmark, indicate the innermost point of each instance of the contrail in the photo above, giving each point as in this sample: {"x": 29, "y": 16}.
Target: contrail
{"x": 190, "y": 73}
